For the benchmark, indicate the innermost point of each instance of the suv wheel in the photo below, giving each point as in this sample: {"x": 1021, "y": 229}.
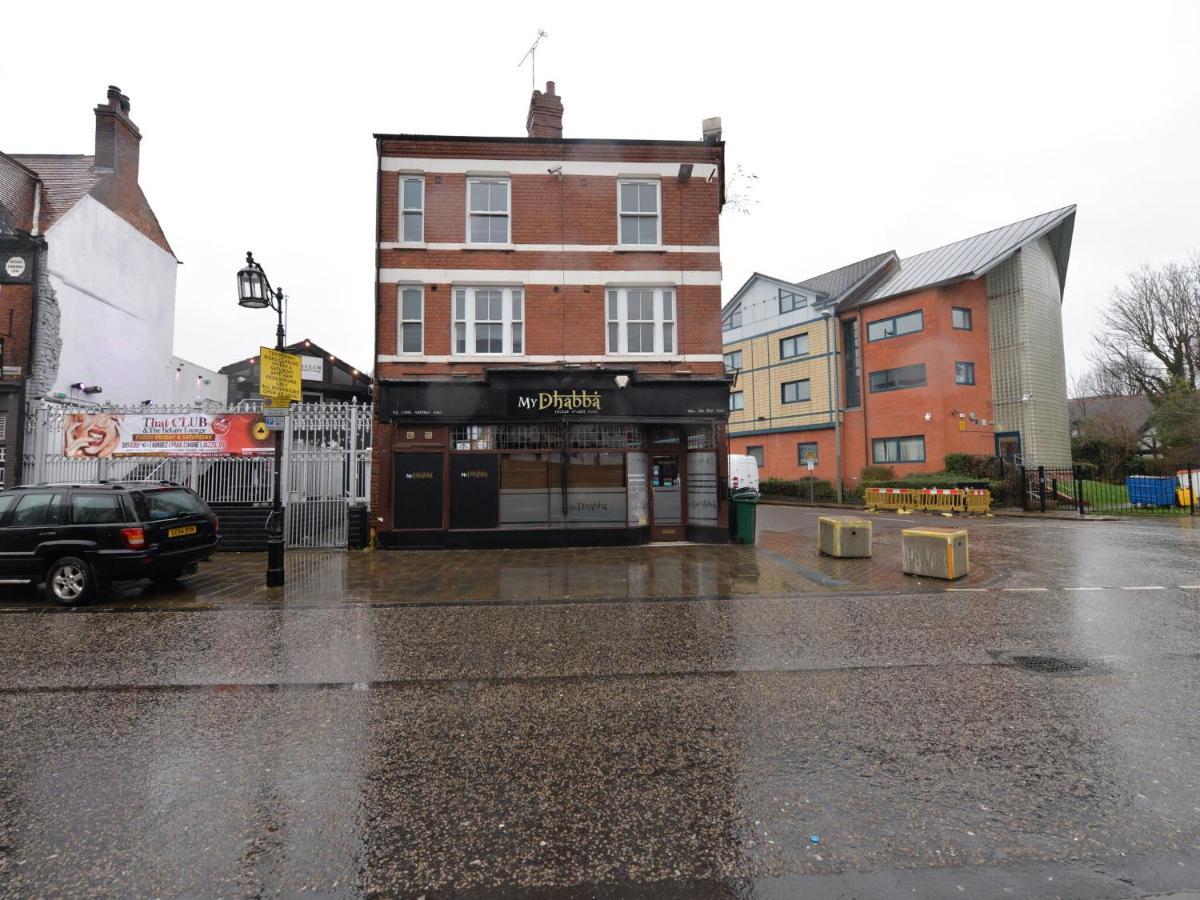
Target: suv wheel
{"x": 69, "y": 581}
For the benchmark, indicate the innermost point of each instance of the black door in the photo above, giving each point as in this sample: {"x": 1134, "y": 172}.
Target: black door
{"x": 417, "y": 490}
{"x": 474, "y": 490}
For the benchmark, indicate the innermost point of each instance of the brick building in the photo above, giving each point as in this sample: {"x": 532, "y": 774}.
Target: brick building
{"x": 955, "y": 350}
{"x": 548, "y": 346}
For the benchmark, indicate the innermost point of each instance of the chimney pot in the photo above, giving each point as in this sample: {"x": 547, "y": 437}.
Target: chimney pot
{"x": 550, "y": 88}
{"x": 117, "y": 138}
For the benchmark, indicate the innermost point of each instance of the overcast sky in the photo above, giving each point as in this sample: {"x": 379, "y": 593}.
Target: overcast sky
{"x": 869, "y": 126}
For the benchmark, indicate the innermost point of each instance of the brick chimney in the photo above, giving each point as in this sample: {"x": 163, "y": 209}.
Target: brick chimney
{"x": 545, "y": 114}
{"x": 117, "y": 138}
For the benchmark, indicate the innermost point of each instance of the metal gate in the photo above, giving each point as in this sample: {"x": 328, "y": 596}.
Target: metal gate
{"x": 326, "y": 465}
{"x": 327, "y": 462}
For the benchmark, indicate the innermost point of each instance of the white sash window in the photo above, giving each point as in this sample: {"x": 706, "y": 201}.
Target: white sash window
{"x": 640, "y": 321}
{"x": 489, "y": 320}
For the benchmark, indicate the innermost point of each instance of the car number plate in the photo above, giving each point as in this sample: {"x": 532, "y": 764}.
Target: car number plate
{"x": 182, "y": 531}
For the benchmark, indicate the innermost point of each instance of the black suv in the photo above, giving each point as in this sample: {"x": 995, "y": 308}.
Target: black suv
{"x": 78, "y": 537}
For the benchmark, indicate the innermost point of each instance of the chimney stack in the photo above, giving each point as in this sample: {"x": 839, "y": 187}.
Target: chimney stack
{"x": 545, "y": 114}
{"x": 117, "y": 138}
{"x": 712, "y": 130}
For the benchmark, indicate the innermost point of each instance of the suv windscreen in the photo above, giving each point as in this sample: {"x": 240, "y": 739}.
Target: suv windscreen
{"x": 171, "y": 504}
{"x": 96, "y": 509}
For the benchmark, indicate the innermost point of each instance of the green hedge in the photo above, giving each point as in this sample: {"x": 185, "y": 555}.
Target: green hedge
{"x": 799, "y": 489}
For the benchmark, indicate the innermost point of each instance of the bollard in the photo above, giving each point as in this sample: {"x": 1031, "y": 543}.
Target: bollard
{"x": 844, "y": 537}
{"x": 935, "y": 552}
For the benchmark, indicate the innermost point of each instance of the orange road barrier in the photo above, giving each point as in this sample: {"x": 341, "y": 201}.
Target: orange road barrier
{"x": 947, "y": 500}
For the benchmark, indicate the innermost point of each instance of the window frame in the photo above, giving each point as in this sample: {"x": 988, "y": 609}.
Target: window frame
{"x": 740, "y": 405}
{"x": 798, "y": 301}
{"x": 727, "y": 323}
{"x": 970, "y": 326}
{"x": 401, "y": 321}
{"x": 794, "y": 337}
{"x": 405, "y": 177}
{"x": 897, "y": 387}
{"x": 761, "y": 457}
{"x": 658, "y": 223}
{"x": 875, "y": 442}
{"x": 786, "y": 384}
{"x": 506, "y": 180}
{"x": 661, "y": 324}
{"x": 970, "y": 368}
{"x": 738, "y": 367}
{"x": 894, "y": 319}
{"x": 469, "y": 320}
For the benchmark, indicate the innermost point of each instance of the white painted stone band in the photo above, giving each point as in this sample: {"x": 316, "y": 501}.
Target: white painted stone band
{"x": 434, "y": 165}
{"x": 592, "y": 360}
{"x": 558, "y": 248}
{"x": 647, "y": 278}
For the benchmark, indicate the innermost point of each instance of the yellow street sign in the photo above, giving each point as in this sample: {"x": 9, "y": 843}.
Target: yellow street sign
{"x": 279, "y": 375}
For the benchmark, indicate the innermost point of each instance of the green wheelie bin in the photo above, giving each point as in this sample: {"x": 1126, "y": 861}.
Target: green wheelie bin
{"x": 744, "y": 510}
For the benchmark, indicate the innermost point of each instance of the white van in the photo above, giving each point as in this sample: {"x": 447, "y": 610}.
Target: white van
{"x": 743, "y": 473}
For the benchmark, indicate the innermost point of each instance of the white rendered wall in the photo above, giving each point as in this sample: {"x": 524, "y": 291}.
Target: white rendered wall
{"x": 760, "y": 310}
{"x": 116, "y": 294}
{"x": 189, "y": 383}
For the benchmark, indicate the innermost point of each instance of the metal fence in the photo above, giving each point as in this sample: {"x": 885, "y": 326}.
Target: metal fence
{"x": 1075, "y": 489}
{"x": 326, "y": 465}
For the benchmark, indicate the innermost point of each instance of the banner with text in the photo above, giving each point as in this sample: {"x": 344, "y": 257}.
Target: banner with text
{"x": 100, "y": 435}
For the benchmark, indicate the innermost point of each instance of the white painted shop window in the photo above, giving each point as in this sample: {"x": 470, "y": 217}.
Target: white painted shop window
{"x": 412, "y": 209}
{"x": 640, "y": 320}
{"x": 412, "y": 320}
{"x": 638, "y": 205}
{"x": 488, "y": 212}
{"x": 489, "y": 321}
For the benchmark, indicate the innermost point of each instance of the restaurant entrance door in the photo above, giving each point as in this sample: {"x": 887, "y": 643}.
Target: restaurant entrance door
{"x": 666, "y": 497}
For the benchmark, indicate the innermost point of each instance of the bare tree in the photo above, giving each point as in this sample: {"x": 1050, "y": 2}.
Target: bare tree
{"x": 1151, "y": 336}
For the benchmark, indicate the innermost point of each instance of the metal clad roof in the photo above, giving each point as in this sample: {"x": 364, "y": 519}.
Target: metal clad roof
{"x": 837, "y": 281}
{"x": 971, "y": 257}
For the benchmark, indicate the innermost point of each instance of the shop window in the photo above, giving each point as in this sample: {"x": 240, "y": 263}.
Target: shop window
{"x": 806, "y": 452}
{"x": 487, "y": 211}
{"x": 471, "y": 437}
{"x": 898, "y": 379}
{"x": 964, "y": 373}
{"x": 639, "y": 208}
{"x": 640, "y": 320}
{"x": 796, "y": 391}
{"x": 412, "y": 315}
{"x": 898, "y": 449}
{"x": 595, "y": 436}
{"x": 701, "y": 437}
{"x": 791, "y": 347}
{"x": 737, "y": 401}
{"x": 896, "y": 326}
{"x": 489, "y": 321}
{"x": 527, "y": 437}
{"x": 960, "y": 318}
{"x": 757, "y": 453}
{"x": 412, "y": 209}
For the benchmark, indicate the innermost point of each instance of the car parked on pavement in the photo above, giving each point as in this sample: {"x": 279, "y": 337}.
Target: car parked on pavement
{"x": 77, "y": 538}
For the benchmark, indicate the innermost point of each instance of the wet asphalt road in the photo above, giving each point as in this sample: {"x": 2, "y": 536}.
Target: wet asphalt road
{"x": 345, "y": 743}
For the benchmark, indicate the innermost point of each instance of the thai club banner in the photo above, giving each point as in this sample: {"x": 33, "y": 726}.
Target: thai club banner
{"x": 99, "y": 435}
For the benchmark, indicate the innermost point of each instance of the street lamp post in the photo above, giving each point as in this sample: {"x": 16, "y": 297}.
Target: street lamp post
{"x": 254, "y": 292}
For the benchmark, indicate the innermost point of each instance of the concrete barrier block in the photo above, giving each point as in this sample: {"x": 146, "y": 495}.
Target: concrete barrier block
{"x": 935, "y": 552}
{"x": 844, "y": 536}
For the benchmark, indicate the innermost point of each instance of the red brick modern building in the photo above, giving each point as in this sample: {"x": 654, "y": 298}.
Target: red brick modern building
{"x": 548, "y": 344}
{"x": 955, "y": 350}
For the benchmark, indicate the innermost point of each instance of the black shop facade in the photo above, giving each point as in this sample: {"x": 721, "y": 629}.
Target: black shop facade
{"x": 537, "y": 458}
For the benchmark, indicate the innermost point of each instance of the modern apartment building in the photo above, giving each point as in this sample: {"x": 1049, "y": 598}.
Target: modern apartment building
{"x": 898, "y": 362}
{"x": 548, "y": 344}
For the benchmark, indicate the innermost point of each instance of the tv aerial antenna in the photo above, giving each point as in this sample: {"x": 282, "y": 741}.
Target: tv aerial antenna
{"x": 531, "y": 55}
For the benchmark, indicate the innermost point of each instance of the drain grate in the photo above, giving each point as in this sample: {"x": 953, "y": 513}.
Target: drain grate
{"x": 1046, "y": 663}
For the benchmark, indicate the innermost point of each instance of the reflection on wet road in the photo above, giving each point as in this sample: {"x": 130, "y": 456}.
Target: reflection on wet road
{"x": 645, "y": 722}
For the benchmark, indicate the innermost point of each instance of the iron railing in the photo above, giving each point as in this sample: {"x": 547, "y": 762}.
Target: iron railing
{"x": 1076, "y": 489}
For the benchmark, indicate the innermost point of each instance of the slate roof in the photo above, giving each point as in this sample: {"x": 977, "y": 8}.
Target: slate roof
{"x": 1133, "y": 410}
{"x": 66, "y": 179}
{"x": 835, "y": 283}
{"x": 975, "y": 256}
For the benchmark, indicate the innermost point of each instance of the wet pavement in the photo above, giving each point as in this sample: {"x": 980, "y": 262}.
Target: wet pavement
{"x": 674, "y": 721}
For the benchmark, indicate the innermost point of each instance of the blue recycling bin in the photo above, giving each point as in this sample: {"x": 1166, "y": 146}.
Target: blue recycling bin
{"x": 1150, "y": 490}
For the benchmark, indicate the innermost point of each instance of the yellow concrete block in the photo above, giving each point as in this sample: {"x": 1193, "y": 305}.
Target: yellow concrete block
{"x": 935, "y": 552}
{"x": 844, "y": 536}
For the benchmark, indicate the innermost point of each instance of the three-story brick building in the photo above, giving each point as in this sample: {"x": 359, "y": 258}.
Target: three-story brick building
{"x": 548, "y": 340}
